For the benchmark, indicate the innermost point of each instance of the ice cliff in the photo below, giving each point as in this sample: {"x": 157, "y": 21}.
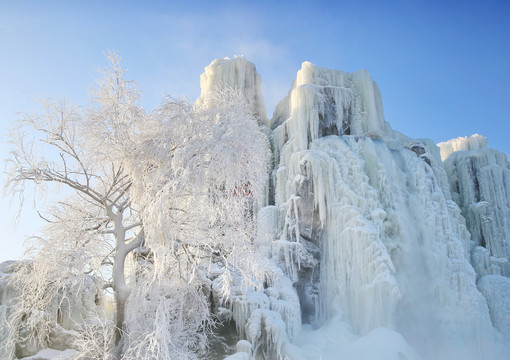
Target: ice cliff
{"x": 238, "y": 74}
{"x": 479, "y": 179}
{"x": 369, "y": 230}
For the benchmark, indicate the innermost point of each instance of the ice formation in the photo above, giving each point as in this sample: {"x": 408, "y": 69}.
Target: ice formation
{"x": 479, "y": 179}
{"x": 474, "y": 142}
{"x": 238, "y": 74}
{"x": 480, "y": 184}
{"x": 362, "y": 222}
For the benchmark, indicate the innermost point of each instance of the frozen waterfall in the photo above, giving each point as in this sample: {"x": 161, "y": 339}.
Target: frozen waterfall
{"x": 363, "y": 224}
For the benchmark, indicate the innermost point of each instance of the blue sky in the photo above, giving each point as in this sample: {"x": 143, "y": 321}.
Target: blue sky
{"x": 443, "y": 67}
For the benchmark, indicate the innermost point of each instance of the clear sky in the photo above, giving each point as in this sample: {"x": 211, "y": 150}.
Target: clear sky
{"x": 443, "y": 67}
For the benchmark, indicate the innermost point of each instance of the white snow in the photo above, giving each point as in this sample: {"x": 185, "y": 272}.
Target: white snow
{"x": 335, "y": 341}
{"x": 51, "y": 354}
{"x": 6, "y": 304}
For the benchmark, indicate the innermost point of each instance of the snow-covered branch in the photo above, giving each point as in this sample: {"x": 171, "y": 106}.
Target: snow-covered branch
{"x": 176, "y": 188}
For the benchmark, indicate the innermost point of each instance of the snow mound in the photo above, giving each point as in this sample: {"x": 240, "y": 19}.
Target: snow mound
{"x": 335, "y": 341}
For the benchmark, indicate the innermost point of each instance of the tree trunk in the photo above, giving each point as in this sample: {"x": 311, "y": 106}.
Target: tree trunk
{"x": 120, "y": 289}
{"x": 119, "y": 327}
{"x": 121, "y": 292}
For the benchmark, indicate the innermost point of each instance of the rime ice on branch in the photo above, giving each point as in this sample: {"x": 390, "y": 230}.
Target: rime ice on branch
{"x": 155, "y": 206}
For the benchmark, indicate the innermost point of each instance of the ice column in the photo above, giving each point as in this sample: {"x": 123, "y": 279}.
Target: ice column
{"x": 238, "y": 74}
{"x": 480, "y": 184}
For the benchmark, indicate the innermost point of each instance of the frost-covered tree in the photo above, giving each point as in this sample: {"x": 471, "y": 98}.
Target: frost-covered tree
{"x": 176, "y": 188}
{"x": 84, "y": 149}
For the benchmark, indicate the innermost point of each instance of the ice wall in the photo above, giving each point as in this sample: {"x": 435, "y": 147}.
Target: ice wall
{"x": 327, "y": 102}
{"x": 267, "y": 314}
{"x": 238, "y": 74}
{"x": 370, "y": 234}
{"x": 473, "y": 142}
{"x": 479, "y": 180}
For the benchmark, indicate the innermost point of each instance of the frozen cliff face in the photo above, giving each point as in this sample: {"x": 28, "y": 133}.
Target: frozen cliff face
{"x": 370, "y": 234}
{"x": 474, "y": 142}
{"x": 327, "y": 102}
{"x": 479, "y": 180}
{"x": 238, "y": 74}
